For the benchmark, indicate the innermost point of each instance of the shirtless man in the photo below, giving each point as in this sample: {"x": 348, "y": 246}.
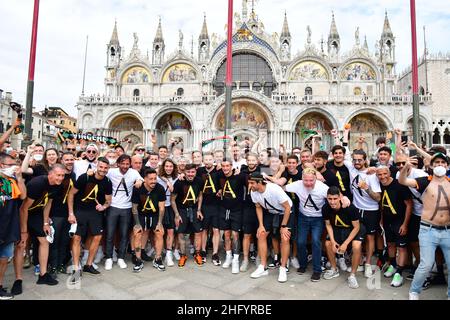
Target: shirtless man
{"x": 435, "y": 222}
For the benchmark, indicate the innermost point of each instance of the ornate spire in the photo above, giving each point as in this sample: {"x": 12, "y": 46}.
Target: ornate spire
{"x": 115, "y": 36}
{"x": 366, "y": 46}
{"x": 285, "y": 32}
{"x": 204, "y": 33}
{"x": 387, "y": 31}
{"x": 159, "y": 35}
{"x": 334, "y": 34}
{"x": 244, "y": 10}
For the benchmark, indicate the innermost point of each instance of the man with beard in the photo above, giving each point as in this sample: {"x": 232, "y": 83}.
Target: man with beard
{"x": 148, "y": 212}
{"x": 230, "y": 218}
{"x": 396, "y": 208}
{"x": 250, "y": 220}
{"x": 34, "y": 215}
{"x": 59, "y": 249}
{"x": 210, "y": 206}
{"x": 93, "y": 197}
{"x": 186, "y": 200}
{"x": 435, "y": 221}
{"x": 82, "y": 166}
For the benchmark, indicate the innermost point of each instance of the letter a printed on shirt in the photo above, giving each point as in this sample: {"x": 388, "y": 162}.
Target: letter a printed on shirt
{"x": 209, "y": 184}
{"x": 227, "y": 189}
{"x": 92, "y": 194}
{"x": 190, "y": 196}
{"x": 148, "y": 205}
{"x": 386, "y": 202}
{"x": 310, "y": 203}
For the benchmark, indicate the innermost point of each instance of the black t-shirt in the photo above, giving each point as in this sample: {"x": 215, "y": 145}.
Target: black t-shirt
{"x": 393, "y": 198}
{"x": 187, "y": 192}
{"x": 39, "y": 170}
{"x": 232, "y": 190}
{"x": 248, "y": 202}
{"x": 40, "y": 190}
{"x": 210, "y": 185}
{"x": 59, "y": 205}
{"x": 292, "y": 178}
{"x": 330, "y": 178}
{"x": 341, "y": 219}
{"x": 148, "y": 201}
{"x": 91, "y": 191}
{"x": 342, "y": 178}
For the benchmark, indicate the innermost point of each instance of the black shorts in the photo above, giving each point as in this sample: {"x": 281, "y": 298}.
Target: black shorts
{"x": 169, "y": 219}
{"x": 341, "y": 234}
{"x": 370, "y": 220}
{"x": 250, "y": 220}
{"x": 230, "y": 219}
{"x": 89, "y": 219}
{"x": 391, "y": 231}
{"x": 272, "y": 223}
{"x": 190, "y": 223}
{"x": 210, "y": 216}
{"x": 413, "y": 228}
{"x": 36, "y": 225}
{"x": 148, "y": 221}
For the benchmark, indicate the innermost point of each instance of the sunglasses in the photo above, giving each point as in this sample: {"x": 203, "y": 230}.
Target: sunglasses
{"x": 140, "y": 150}
{"x": 70, "y": 149}
{"x": 402, "y": 163}
{"x": 91, "y": 151}
{"x": 358, "y": 160}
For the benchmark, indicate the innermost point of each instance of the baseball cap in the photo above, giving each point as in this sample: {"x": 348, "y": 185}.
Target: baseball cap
{"x": 92, "y": 145}
{"x": 440, "y": 156}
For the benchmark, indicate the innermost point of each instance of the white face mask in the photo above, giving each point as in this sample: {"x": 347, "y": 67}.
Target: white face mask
{"x": 112, "y": 161}
{"x": 8, "y": 150}
{"x": 439, "y": 171}
{"x": 9, "y": 171}
{"x": 38, "y": 157}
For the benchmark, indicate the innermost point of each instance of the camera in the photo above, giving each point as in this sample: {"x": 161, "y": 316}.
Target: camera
{"x": 17, "y": 108}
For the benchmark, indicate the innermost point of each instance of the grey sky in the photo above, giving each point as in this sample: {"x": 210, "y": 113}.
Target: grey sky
{"x": 63, "y": 27}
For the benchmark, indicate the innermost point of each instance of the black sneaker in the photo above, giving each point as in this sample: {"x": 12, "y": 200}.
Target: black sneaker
{"x": 275, "y": 263}
{"x": 47, "y": 279}
{"x": 301, "y": 270}
{"x": 4, "y": 295}
{"x": 133, "y": 257}
{"x": 16, "y": 288}
{"x": 90, "y": 269}
{"x": 53, "y": 273}
{"x": 138, "y": 265}
{"x": 410, "y": 277}
{"x": 252, "y": 255}
{"x": 203, "y": 255}
{"x": 158, "y": 264}
{"x": 315, "y": 277}
{"x": 61, "y": 269}
{"x": 144, "y": 256}
{"x": 216, "y": 260}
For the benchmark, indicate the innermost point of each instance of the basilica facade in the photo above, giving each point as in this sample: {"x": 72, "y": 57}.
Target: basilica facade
{"x": 278, "y": 96}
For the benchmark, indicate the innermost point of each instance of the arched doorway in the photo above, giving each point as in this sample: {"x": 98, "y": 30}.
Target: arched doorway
{"x": 128, "y": 126}
{"x": 174, "y": 125}
{"x": 248, "y": 120}
{"x": 310, "y": 124}
{"x": 370, "y": 127}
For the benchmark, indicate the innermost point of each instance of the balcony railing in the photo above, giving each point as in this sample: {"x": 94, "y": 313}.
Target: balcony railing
{"x": 172, "y": 99}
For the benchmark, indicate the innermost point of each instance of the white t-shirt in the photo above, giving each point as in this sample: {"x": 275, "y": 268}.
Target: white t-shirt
{"x": 239, "y": 163}
{"x": 272, "y": 198}
{"x": 311, "y": 200}
{"x": 164, "y": 185}
{"x": 417, "y": 202}
{"x": 122, "y": 192}
{"x": 361, "y": 198}
{"x": 82, "y": 166}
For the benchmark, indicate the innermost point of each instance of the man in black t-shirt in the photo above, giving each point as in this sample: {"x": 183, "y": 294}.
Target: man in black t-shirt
{"x": 230, "y": 219}
{"x": 148, "y": 211}
{"x": 91, "y": 196}
{"x": 59, "y": 249}
{"x": 396, "y": 208}
{"x": 340, "y": 171}
{"x": 34, "y": 215}
{"x": 210, "y": 206}
{"x": 343, "y": 229}
{"x": 320, "y": 163}
{"x": 186, "y": 201}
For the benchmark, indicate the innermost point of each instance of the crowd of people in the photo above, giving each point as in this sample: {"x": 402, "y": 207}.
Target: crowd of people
{"x": 344, "y": 211}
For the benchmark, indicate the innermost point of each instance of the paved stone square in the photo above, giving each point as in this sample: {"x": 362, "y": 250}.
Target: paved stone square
{"x": 209, "y": 283}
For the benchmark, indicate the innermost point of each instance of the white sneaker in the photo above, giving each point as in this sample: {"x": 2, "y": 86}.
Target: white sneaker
{"x": 368, "y": 270}
{"x": 122, "y": 264}
{"x": 413, "y": 296}
{"x": 114, "y": 257}
{"x": 176, "y": 254}
{"x": 390, "y": 271}
{"x": 259, "y": 272}
{"x": 330, "y": 274}
{"x": 244, "y": 266}
{"x": 294, "y": 263}
{"x": 235, "y": 266}
{"x": 360, "y": 268}
{"x": 99, "y": 256}
{"x": 282, "y": 276}
{"x": 108, "y": 264}
{"x": 342, "y": 265}
{"x": 228, "y": 261}
{"x": 169, "y": 259}
{"x": 397, "y": 280}
{"x": 352, "y": 282}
